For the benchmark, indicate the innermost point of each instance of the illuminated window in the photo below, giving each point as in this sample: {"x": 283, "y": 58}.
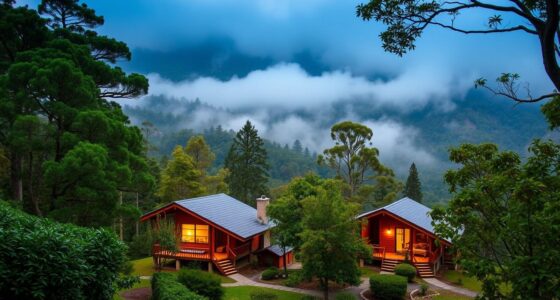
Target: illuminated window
{"x": 194, "y": 233}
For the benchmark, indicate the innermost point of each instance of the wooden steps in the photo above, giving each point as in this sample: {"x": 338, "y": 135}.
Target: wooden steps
{"x": 225, "y": 267}
{"x": 424, "y": 270}
{"x": 388, "y": 265}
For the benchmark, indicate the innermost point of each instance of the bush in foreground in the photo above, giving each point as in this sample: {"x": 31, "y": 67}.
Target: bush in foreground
{"x": 406, "y": 270}
{"x": 42, "y": 259}
{"x": 387, "y": 287}
{"x": 166, "y": 287}
{"x": 270, "y": 273}
{"x": 203, "y": 283}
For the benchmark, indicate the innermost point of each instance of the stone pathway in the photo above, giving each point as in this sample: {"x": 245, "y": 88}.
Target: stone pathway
{"x": 442, "y": 285}
{"x": 244, "y": 281}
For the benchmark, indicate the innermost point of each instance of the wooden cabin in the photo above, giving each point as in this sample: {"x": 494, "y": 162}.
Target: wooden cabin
{"x": 220, "y": 230}
{"x": 403, "y": 231}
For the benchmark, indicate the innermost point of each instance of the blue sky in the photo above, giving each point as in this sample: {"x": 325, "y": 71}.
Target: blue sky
{"x": 261, "y": 56}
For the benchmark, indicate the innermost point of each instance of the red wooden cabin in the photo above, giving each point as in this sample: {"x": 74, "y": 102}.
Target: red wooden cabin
{"x": 217, "y": 229}
{"x": 401, "y": 230}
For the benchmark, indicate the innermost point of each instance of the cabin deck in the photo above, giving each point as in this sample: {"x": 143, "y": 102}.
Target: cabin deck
{"x": 399, "y": 257}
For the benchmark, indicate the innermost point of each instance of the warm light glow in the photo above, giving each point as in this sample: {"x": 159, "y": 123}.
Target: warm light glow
{"x": 388, "y": 231}
{"x": 195, "y": 233}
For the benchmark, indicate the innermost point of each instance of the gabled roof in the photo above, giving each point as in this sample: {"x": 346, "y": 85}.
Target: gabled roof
{"x": 409, "y": 210}
{"x": 226, "y": 212}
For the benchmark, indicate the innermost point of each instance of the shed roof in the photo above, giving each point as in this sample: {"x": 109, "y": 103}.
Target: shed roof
{"x": 278, "y": 251}
{"x": 410, "y": 210}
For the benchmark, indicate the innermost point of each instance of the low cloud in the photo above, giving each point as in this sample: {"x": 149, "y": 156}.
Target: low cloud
{"x": 288, "y": 86}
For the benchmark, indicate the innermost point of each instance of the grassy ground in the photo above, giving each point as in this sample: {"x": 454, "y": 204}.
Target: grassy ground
{"x": 244, "y": 293}
{"x": 445, "y": 295}
{"x": 145, "y": 267}
{"x": 142, "y": 284}
{"x": 368, "y": 271}
{"x": 461, "y": 279}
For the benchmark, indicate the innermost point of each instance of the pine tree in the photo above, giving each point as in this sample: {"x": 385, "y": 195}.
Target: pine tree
{"x": 247, "y": 164}
{"x": 413, "y": 187}
{"x": 297, "y": 147}
{"x": 180, "y": 179}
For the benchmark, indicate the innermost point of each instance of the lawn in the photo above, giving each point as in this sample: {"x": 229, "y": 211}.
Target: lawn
{"x": 145, "y": 267}
{"x": 368, "y": 271}
{"x": 244, "y": 293}
{"x": 461, "y": 279}
{"x": 446, "y": 295}
{"x": 143, "y": 283}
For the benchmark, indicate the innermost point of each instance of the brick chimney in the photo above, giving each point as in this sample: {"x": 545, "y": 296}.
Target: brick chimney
{"x": 262, "y": 203}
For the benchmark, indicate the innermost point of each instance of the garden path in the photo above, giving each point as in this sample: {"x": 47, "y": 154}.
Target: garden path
{"x": 242, "y": 280}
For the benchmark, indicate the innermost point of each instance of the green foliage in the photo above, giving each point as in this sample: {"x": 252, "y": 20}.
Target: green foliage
{"x": 270, "y": 273}
{"x": 331, "y": 242}
{"x": 263, "y": 295}
{"x": 203, "y": 283}
{"x": 406, "y": 270}
{"x": 413, "y": 187}
{"x": 294, "y": 279}
{"x": 72, "y": 150}
{"x": 247, "y": 164}
{"x": 141, "y": 245}
{"x": 345, "y": 296}
{"x": 358, "y": 165}
{"x": 165, "y": 235}
{"x": 56, "y": 261}
{"x": 511, "y": 206}
{"x": 166, "y": 287}
{"x": 423, "y": 289}
{"x": 388, "y": 287}
{"x": 180, "y": 179}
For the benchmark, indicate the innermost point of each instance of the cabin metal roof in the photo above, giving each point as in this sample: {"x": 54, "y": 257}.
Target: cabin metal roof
{"x": 278, "y": 251}
{"x": 410, "y": 210}
{"x": 227, "y": 212}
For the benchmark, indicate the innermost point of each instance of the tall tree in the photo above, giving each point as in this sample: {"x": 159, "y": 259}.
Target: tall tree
{"x": 180, "y": 179}
{"x": 54, "y": 85}
{"x": 354, "y": 160}
{"x": 200, "y": 152}
{"x": 503, "y": 219}
{"x": 247, "y": 164}
{"x": 407, "y": 20}
{"x": 287, "y": 211}
{"x": 331, "y": 241}
{"x": 413, "y": 187}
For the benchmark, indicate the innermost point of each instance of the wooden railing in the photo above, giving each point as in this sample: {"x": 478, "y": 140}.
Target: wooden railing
{"x": 231, "y": 256}
{"x": 379, "y": 252}
{"x": 243, "y": 249}
{"x": 435, "y": 258}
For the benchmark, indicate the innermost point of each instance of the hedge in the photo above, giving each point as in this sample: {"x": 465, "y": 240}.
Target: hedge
{"x": 387, "y": 287}
{"x": 166, "y": 287}
{"x": 201, "y": 282}
{"x": 270, "y": 273}
{"x": 42, "y": 259}
{"x": 406, "y": 270}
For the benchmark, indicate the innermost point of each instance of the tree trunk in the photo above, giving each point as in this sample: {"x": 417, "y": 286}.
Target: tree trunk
{"x": 326, "y": 289}
{"x": 137, "y": 223}
{"x": 15, "y": 176}
{"x": 285, "y": 261}
{"x": 121, "y": 231}
{"x": 32, "y": 196}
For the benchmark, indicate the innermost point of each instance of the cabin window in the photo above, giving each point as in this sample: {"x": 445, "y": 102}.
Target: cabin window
{"x": 194, "y": 233}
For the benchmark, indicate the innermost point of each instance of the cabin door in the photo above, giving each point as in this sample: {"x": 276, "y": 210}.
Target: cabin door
{"x": 402, "y": 239}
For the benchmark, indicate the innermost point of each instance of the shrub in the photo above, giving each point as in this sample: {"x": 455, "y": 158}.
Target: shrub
{"x": 166, "y": 287}
{"x": 423, "y": 289}
{"x": 56, "y": 261}
{"x": 345, "y": 296}
{"x": 294, "y": 279}
{"x": 201, "y": 282}
{"x": 263, "y": 295}
{"x": 270, "y": 273}
{"x": 406, "y": 270}
{"x": 387, "y": 287}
